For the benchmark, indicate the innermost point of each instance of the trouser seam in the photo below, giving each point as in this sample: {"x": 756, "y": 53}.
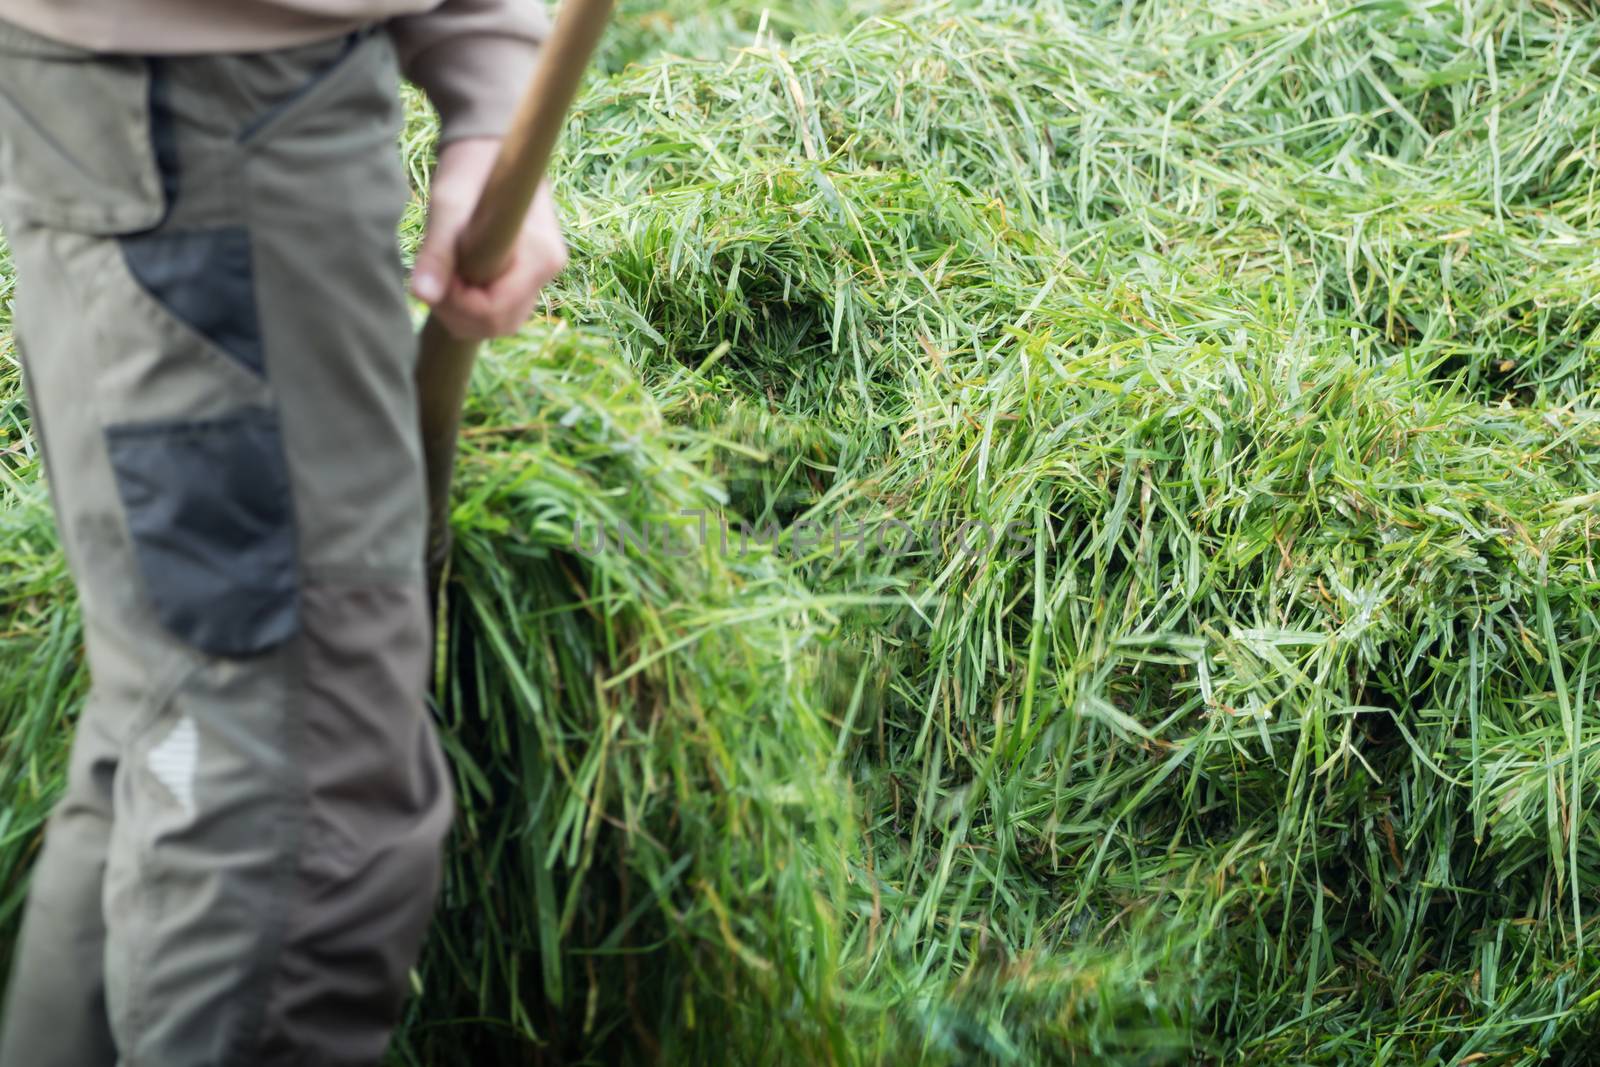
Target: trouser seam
{"x": 295, "y": 815}
{"x": 292, "y": 821}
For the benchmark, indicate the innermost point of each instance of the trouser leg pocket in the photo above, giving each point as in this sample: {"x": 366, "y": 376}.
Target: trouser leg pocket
{"x": 76, "y": 149}
{"x": 208, "y": 510}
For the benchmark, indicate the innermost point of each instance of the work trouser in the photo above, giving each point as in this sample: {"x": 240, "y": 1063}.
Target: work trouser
{"x": 219, "y": 355}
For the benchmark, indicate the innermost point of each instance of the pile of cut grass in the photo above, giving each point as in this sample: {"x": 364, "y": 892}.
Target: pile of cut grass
{"x": 1222, "y": 693}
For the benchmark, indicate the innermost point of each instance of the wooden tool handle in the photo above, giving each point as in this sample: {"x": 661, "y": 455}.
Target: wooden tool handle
{"x": 444, "y": 362}
{"x": 486, "y": 243}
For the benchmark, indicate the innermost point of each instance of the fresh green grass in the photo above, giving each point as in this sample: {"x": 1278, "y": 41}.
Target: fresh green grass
{"x": 1269, "y": 330}
{"x": 705, "y": 29}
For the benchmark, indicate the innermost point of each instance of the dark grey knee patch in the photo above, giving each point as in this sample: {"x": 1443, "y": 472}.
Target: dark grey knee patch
{"x": 208, "y": 507}
{"x": 204, "y": 277}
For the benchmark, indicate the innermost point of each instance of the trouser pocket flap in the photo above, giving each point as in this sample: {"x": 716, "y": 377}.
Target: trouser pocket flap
{"x": 76, "y": 149}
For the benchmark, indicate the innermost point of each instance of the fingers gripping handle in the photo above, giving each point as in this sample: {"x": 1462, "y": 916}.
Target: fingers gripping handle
{"x": 444, "y": 362}
{"x": 525, "y": 152}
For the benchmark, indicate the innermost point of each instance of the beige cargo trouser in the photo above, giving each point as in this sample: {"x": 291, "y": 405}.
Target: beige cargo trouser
{"x": 219, "y": 354}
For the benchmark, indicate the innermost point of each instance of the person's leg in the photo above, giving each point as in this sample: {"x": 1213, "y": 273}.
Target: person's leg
{"x": 243, "y": 509}
{"x": 100, "y": 180}
{"x": 56, "y": 990}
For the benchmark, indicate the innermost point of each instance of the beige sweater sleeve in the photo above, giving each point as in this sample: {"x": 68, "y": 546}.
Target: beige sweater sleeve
{"x": 473, "y": 58}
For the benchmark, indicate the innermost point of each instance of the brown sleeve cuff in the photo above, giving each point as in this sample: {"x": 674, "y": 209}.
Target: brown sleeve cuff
{"x": 474, "y": 59}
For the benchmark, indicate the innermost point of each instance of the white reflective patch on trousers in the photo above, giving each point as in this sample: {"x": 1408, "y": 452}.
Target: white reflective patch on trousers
{"x": 174, "y": 760}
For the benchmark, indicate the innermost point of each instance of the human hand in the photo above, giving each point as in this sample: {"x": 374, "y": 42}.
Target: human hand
{"x": 539, "y": 254}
